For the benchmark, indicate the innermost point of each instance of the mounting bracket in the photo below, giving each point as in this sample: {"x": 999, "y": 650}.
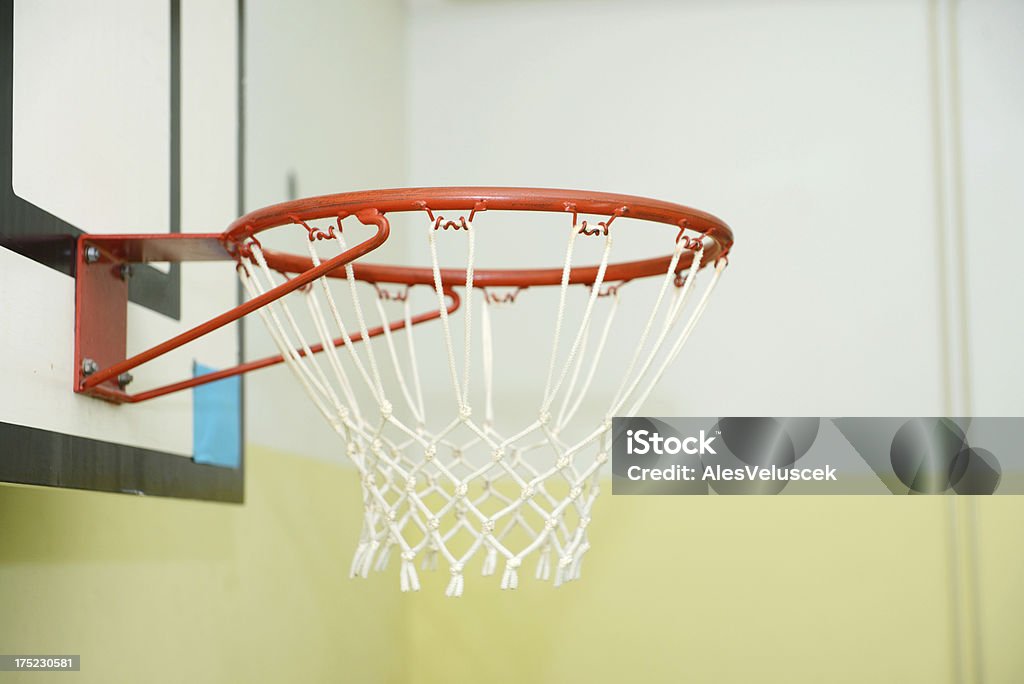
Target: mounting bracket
{"x": 102, "y": 269}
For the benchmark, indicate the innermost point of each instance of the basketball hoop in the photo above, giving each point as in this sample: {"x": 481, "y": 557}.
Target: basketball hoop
{"x": 460, "y": 486}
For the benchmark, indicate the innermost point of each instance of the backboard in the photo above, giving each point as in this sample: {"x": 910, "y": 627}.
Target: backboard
{"x": 117, "y": 117}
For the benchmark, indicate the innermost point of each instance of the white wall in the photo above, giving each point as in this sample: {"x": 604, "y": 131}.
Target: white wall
{"x": 325, "y": 101}
{"x": 804, "y": 125}
{"x": 992, "y": 107}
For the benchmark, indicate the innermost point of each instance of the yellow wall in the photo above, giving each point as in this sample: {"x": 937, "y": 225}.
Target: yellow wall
{"x": 998, "y": 548}
{"x": 161, "y": 590}
{"x": 742, "y": 589}
{"x": 717, "y": 589}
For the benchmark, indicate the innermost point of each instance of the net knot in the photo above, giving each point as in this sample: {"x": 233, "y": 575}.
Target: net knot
{"x": 563, "y": 462}
{"x": 430, "y": 453}
{"x": 602, "y": 457}
{"x": 386, "y": 409}
{"x": 461, "y": 489}
{"x": 434, "y": 523}
{"x": 575, "y": 492}
{"x": 465, "y": 412}
{"x": 392, "y": 514}
{"x": 488, "y": 526}
{"x": 544, "y": 418}
{"x": 410, "y": 484}
{"x": 514, "y": 562}
{"x": 498, "y": 454}
{"x": 456, "y": 569}
{"x": 565, "y": 561}
{"x": 409, "y": 555}
{"x": 551, "y": 523}
{"x": 527, "y": 493}
{"x": 584, "y": 521}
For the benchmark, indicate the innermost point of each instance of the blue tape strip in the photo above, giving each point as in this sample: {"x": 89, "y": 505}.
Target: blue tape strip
{"x": 217, "y": 420}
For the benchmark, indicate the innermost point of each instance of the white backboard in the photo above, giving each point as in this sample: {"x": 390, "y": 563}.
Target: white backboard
{"x": 122, "y": 117}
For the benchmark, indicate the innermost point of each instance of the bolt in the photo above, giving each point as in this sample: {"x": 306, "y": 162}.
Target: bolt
{"x": 89, "y": 367}
{"x": 124, "y": 379}
{"x": 92, "y": 254}
{"x": 126, "y": 271}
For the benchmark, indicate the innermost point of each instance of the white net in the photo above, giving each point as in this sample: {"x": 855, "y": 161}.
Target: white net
{"x": 460, "y": 485}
